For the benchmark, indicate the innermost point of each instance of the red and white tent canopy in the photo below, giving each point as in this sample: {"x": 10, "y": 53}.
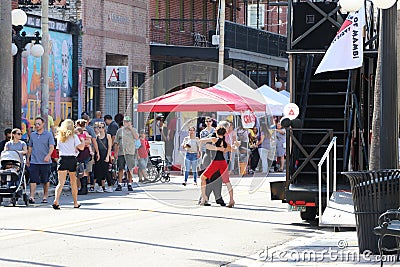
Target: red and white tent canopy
{"x": 196, "y": 99}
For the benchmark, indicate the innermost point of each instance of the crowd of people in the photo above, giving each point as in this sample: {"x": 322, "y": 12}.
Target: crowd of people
{"x": 85, "y": 150}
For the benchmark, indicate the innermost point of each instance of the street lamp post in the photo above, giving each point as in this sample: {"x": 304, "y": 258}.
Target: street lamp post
{"x": 20, "y": 41}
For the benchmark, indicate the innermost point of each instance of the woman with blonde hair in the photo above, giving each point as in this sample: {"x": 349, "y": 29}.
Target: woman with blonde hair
{"x": 68, "y": 144}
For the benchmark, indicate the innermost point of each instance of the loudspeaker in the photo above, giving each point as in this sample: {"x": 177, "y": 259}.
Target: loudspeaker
{"x": 305, "y": 17}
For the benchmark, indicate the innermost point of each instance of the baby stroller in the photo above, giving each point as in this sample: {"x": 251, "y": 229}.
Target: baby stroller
{"x": 12, "y": 177}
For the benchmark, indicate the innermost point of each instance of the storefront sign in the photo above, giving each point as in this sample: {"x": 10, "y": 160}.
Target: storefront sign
{"x": 117, "y": 77}
{"x": 54, "y": 25}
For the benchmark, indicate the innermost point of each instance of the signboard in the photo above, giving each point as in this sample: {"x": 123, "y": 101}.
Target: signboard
{"x": 117, "y": 77}
{"x": 248, "y": 119}
{"x": 291, "y": 111}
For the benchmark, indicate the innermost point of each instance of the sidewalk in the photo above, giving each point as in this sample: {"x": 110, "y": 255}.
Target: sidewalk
{"x": 322, "y": 248}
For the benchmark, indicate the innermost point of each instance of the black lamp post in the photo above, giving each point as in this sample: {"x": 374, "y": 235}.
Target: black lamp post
{"x": 20, "y": 40}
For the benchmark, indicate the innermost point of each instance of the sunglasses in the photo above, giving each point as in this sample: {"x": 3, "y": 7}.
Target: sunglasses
{"x": 38, "y": 124}
{"x": 208, "y": 121}
{"x": 191, "y": 130}
{"x": 101, "y": 127}
{"x": 18, "y": 133}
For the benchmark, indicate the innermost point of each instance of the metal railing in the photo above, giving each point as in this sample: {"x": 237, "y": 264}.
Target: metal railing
{"x": 326, "y": 157}
{"x": 199, "y": 32}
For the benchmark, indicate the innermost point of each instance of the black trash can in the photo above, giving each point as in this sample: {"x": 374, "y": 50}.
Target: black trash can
{"x": 374, "y": 192}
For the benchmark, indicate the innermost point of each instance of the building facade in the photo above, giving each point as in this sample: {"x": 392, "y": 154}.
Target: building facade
{"x": 114, "y": 33}
{"x": 182, "y": 31}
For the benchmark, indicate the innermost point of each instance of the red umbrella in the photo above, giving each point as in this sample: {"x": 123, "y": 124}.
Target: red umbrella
{"x": 196, "y": 99}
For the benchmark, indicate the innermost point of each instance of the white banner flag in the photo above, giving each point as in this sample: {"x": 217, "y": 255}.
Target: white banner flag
{"x": 346, "y": 50}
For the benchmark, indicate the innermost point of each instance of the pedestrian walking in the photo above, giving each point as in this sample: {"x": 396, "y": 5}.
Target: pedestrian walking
{"x": 125, "y": 150}
{"x": 40, "y": 148}
{"x": 68, "y": 143}
{"x": 192, "y": 146}
{"x": 280, "y": 146}
{"x": 143, "y": 156}
{"x": 84, "y": 123}
{"x": 112, "y": 127}
{"x": 15, "y": 143}
{"x": 84, "y": 157}
{"x": 97, "y": 118}
{"x": 7, "y": 137}
{"x": 254, "y": 138}
{"x": 102, "y": 162}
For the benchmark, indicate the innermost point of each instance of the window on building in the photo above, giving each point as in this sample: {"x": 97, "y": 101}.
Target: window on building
{"x": 92, "y": 91}
{"x": 138, "y": 97}
{"x": 252, "y": 16}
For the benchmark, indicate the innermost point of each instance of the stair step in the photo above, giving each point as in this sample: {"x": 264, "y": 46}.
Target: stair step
{"x": 323, "y": 146}
{"x": 326, "y": 106}
{"x": 328, "y": 80}
{"x": 327, "y": 93}
{"x": 324, "y": 119}
{"x": 318, "y": 159}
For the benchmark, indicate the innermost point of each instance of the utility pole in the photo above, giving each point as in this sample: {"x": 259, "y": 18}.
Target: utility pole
{"x": 221, "y": 41}
{"x": 44, "y": 106}
{"x": 6, "y": 74}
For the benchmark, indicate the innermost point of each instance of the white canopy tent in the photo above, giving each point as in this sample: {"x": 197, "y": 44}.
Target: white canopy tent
{"x": 272, "y": 95}
{"x": 235, "y": 85}
{"x": 285, "y": 93}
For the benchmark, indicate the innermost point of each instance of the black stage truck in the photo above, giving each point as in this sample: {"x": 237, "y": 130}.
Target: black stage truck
{"x": 331, "y": 104}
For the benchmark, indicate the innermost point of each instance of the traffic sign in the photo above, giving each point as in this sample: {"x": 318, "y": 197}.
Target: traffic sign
{"x": 291, "y": 111}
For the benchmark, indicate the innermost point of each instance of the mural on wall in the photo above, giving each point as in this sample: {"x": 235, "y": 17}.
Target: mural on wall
{"x": 60, "y": 78}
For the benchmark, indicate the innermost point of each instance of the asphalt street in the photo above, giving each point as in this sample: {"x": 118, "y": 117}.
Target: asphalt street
{"x": 155, "y": 225}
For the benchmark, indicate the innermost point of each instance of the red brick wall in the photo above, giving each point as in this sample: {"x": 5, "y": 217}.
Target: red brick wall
{"x": 116, "y": 27}
{"x": 192, "y": 9}
{"x": 272, "y": 16}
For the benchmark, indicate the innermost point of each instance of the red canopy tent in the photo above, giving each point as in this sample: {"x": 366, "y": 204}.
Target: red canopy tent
{"x": 196, "y": 99}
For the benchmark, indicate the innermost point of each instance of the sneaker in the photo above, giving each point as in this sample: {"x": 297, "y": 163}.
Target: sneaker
{"x": 184, "y": 184}
{"x": 91, "y": 190}
{"x": 130, "y": 187}
{"x": 109, "y": 189}
{"x": 194, "y": 183}
{"x": 119, "y": 188}
{"x": 100, "y": 190}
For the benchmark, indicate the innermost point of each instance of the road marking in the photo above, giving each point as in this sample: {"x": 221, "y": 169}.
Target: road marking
{"x": 27, "y": 232}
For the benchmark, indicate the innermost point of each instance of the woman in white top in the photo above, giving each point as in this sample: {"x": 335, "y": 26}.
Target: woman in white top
{"x": 192, "y": 147}
{"x": 68, "y": 144}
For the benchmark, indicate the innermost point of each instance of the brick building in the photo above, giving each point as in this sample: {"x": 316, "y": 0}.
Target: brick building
{"x": 114, "y": 33}
{"x": 181, "y": 31}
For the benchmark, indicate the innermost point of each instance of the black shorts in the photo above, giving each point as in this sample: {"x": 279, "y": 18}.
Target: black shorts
{"x": 67, "y": 163}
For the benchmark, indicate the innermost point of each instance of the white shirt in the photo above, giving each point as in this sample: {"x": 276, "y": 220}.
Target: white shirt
{"x": 68, "y": 148}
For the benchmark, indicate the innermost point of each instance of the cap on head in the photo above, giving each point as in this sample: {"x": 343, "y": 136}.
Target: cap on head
{"x": 127, "y": 118}
{"x": 160, "y": 115}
